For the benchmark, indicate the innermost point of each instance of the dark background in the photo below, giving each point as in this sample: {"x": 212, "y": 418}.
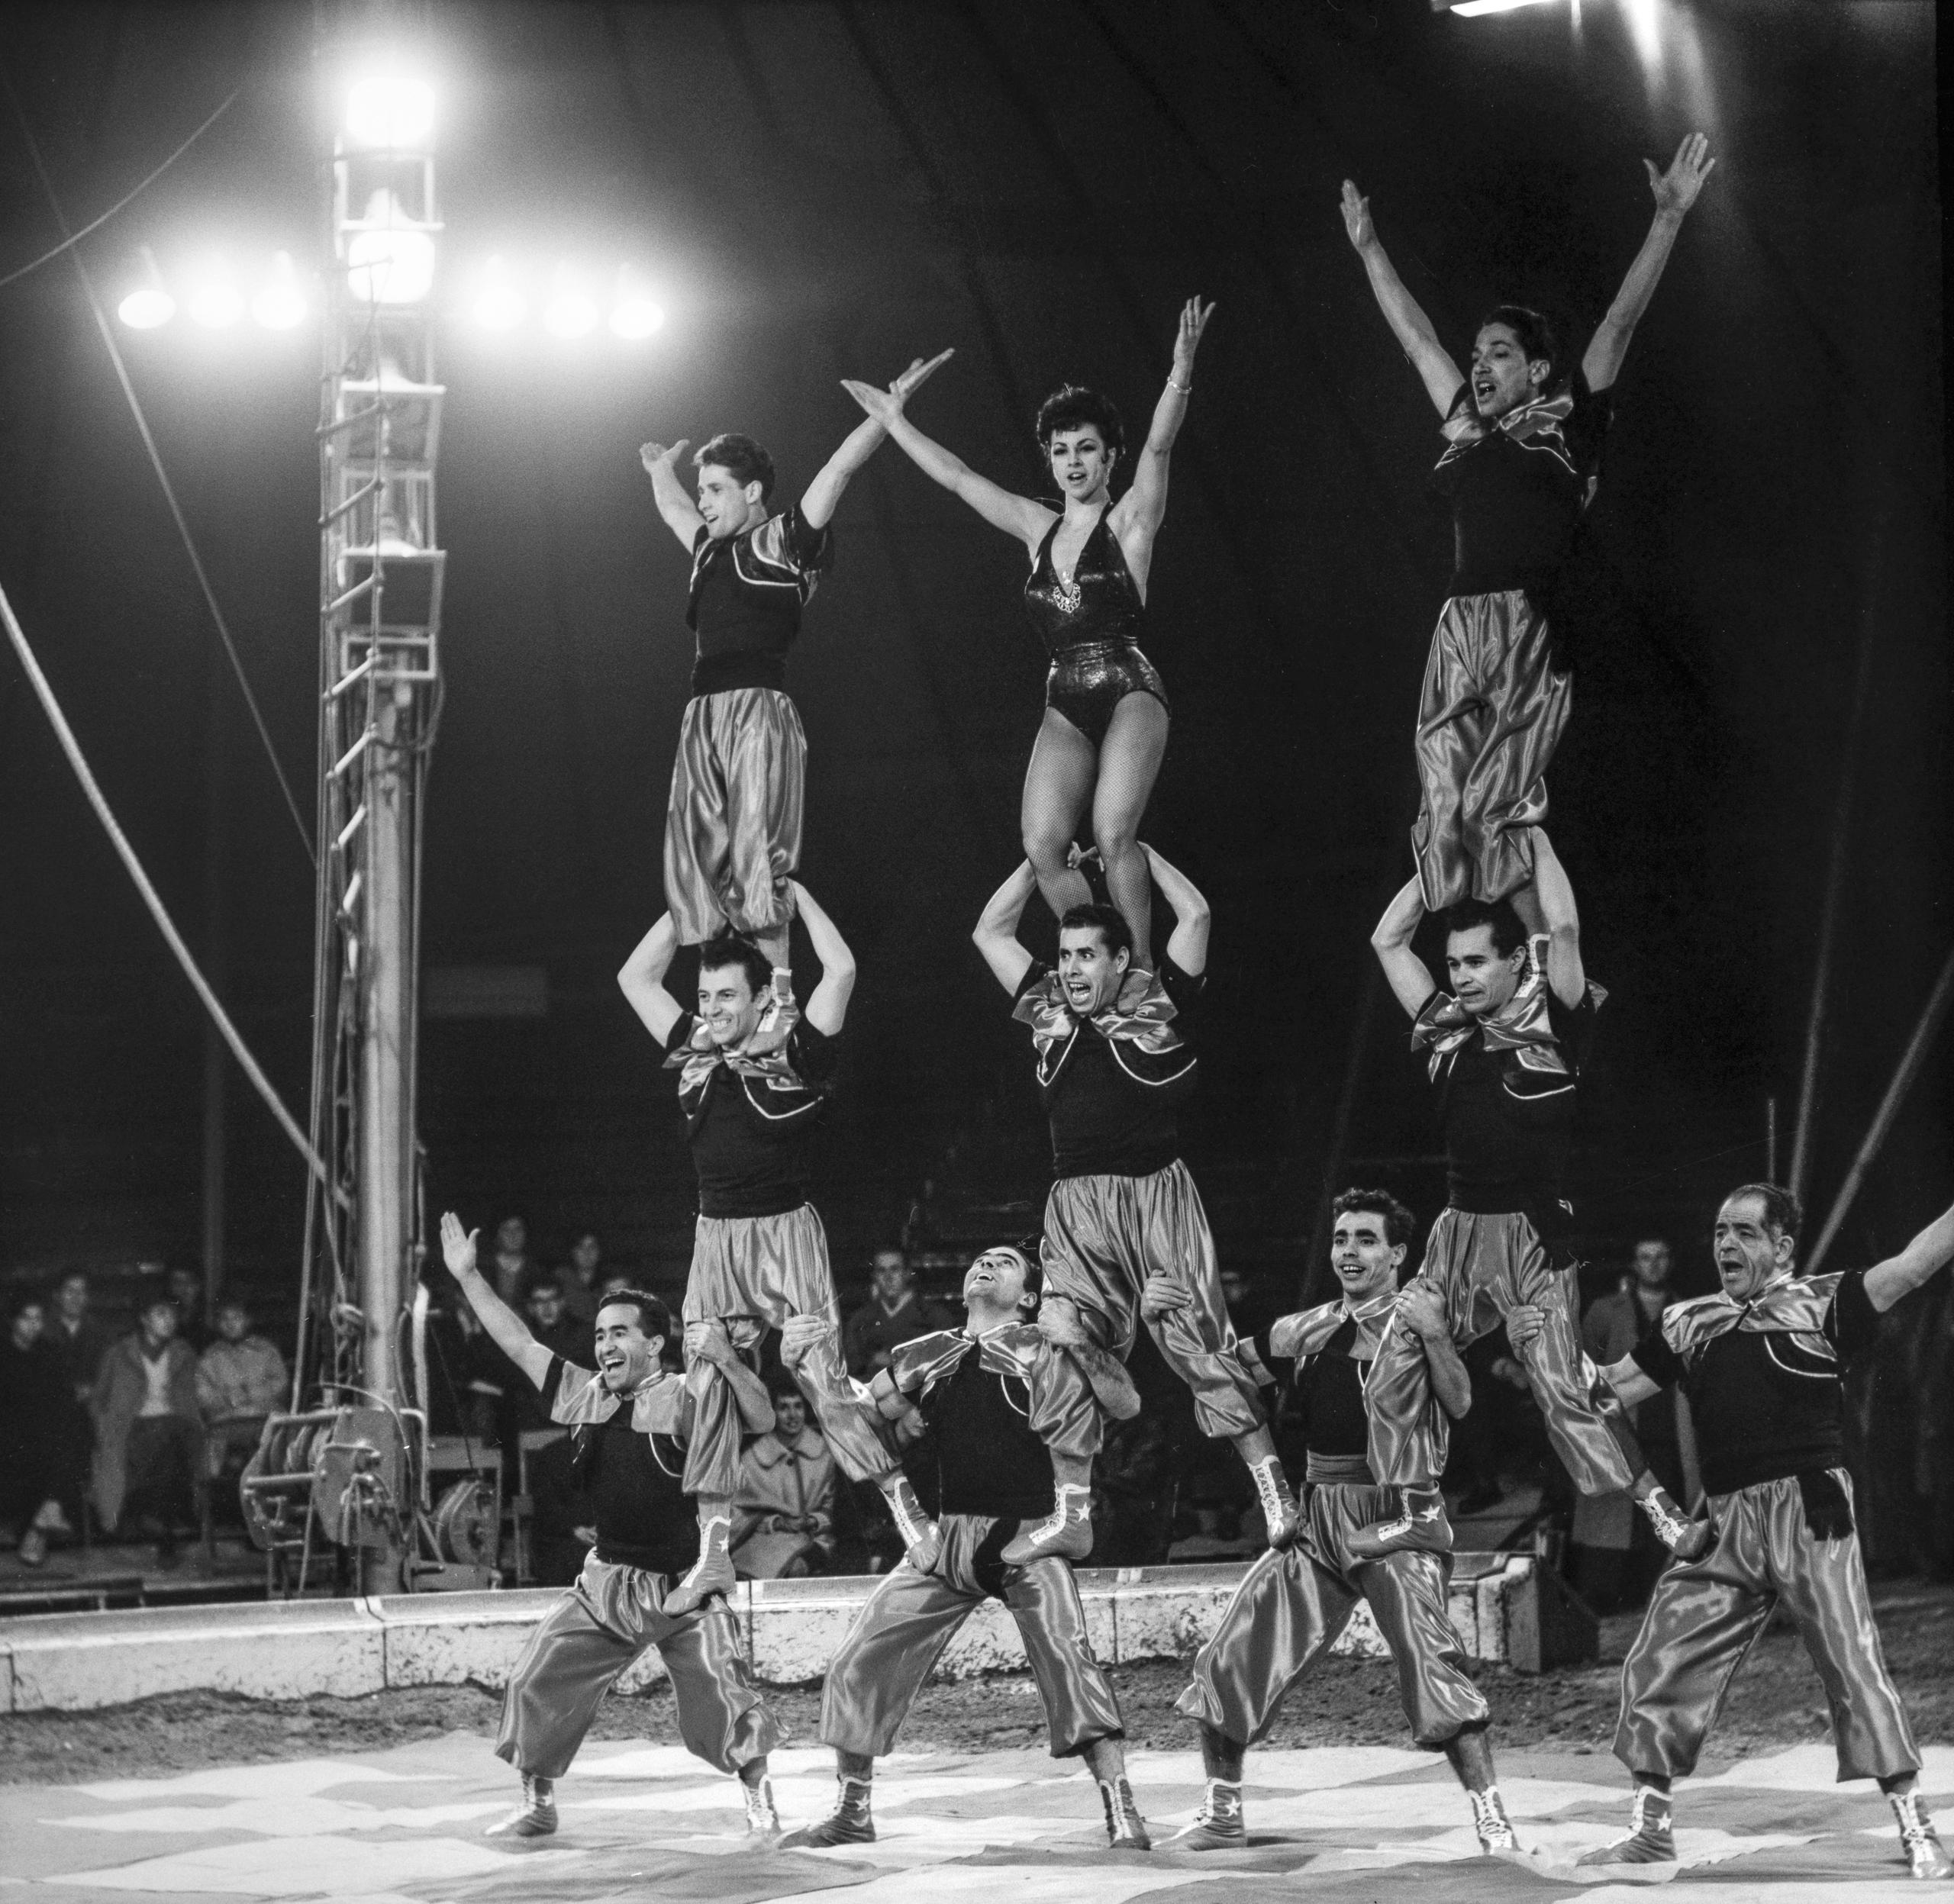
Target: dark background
{"x": 824, "y": 190}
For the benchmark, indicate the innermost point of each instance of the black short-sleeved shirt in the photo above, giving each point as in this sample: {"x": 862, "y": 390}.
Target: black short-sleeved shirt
{"x": 1764, "y": 1405}
{"x": 750, "y": 1136}
{"x": 644, "y": 1517}
{"x": 1509, "y": 1129}
{"x": 989, "y": 1460}
{"x": 747, "y": 593}
{"x": 1329, "y": 1389}
{"x": 1516, "y": 497}
{"x": 1114, "y": 1111}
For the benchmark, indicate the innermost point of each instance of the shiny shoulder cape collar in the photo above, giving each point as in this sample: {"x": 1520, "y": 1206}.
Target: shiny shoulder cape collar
{"x": 1523, "y": 1025}
{"x": 1309, "y": 1332}
{"x": 699, "y": 1057}
{"x": 1792, "y": 1306}
{"x": 655, "y": 1407}
{"x": 1538, "y": 423}
{"x": 1010, "y": 1349}
{"x": 1141, "y": 1016}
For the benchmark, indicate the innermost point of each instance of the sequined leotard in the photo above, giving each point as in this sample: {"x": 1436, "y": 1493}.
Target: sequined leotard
{"x": 1091, "y": 631}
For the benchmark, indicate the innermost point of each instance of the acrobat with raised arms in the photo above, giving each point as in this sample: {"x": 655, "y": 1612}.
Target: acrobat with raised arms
{"x": 1104, "y": 730}
{"x": 1523, "y": 436}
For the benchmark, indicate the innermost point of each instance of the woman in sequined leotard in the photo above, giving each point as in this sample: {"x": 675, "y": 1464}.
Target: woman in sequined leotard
{"x": 1104, "y": 730}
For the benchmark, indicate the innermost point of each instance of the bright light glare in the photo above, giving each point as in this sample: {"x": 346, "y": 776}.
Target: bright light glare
{"x": 571, "y": 310}
{"x": 1645, "y": 27}
{"x": 498, "y": 305}
{"x": 1472, "y": 9}
{"x": 385, "y": 112}
{"x": 215, "y": 301}
{"x": 636, "y": 313}
{"x": 280, "y": 305}
{"x": 393, "y": 263}
{"x": 149, "y": 304}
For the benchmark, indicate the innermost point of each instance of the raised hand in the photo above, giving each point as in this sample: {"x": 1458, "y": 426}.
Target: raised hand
{"x": 1187, "y": 339}
{"x": 1422, "y": 1309}
{"x": 919, "y": 371}
{"x": 1523, "y": 1323}
{"x": 457, "y": 1245}
{"x": 800, "y": 1336}
{"x": 884, "y": 405}
{"x": 1058, "y": 1322}
{"x": 1160, "y": 1295}
{"x": 709, "y": 1342}
{"x": 652, "y": 454}
{"x": 1357, "y": 217}
{"x": 1675, "y": 190}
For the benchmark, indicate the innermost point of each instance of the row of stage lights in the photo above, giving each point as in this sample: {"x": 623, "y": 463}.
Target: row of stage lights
{"x": 569, "y": 302}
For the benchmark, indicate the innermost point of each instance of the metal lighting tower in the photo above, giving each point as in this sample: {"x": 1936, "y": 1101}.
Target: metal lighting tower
{"x": 381, "y": 572}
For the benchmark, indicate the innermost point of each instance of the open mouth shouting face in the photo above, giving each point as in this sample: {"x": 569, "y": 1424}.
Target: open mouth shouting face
{"x": 1080, "y": 463}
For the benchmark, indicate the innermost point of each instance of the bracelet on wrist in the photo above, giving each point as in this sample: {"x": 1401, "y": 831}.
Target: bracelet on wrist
{"x": 1186, "y": 389}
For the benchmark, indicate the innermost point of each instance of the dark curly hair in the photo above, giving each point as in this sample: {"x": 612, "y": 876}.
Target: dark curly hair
{"x": 745, "y": 460}
{"x": 729, "y": 949}
{"x": 1107, "y": 921}
{"x": 653, "y": 1317}
{"x": 1782, "y": 1211}
{"x": 1398, "y": 1220}
{"x": 1536, "y": 338}
{"x": 1508, "y": 934}
{"x": 1075, "y": 408}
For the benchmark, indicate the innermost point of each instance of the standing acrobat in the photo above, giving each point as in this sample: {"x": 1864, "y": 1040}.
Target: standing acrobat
{"x": 760, "y": 1255}
{"x": 629, "y": 1421}
{"x": 1124, "y": 1229}
{"x": 1504, "y": 1052}
{"x": 1522, "y": 460}
{"x": 733, "y": 827}
{"x": 1105, "y": 729}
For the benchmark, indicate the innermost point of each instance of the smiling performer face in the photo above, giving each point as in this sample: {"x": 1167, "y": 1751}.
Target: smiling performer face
{"x": 626, "y": 1357}
{"x": 1082, "y": 464}
{"x": 730, "y": 1008}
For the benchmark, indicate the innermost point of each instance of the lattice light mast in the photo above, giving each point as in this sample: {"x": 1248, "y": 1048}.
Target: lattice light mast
{"x": 380, "y": 574}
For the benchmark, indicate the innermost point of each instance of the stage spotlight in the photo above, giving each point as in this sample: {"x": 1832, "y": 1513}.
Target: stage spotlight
{"x": 385, "y": 113}
{"x": 215, "y": 301}
{"x": 149, "y": 304}
{"x": 498, "y": 305}
{"x": 391, "y": 261}
{"x": 571, "y": 311}
{"x": 1472, "y": 9}
{"x": 636, "y": 313}
{"x": 280, "y": 305}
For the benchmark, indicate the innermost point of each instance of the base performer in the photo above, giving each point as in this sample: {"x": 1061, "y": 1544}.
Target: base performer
{"x": 760, "y": 1255}
{"x": 1503, "y": 1051}
{"x": 1125, "y": 1234}
{"x": 1007, "y": 1405}
{"x": 1521, "y": 463}
{"x": 1286, "y": 1614}
{"x": 629, "y": 1423}
{"x": 1763, "y": 1364}
{"x": 733, "y": 827}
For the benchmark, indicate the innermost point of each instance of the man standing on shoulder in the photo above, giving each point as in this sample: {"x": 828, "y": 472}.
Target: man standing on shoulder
{"x": 1763, "y": 1363}
{"x": 1504, "y": 1052}
{"x": 629, "y": 1423}
{"x": 760, "y": 1255}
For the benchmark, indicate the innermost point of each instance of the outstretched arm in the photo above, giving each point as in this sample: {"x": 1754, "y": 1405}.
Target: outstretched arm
{"x": 1188, "y": 947}
{"x": 641, "y": 979}
{"x": 708, "y": 1342}
{"x": 1675, "y": 191}
{"x": 818, "y": 506}
{"x": 996, "y": 933}
{"x": 1408, "y": 323}
{"x": 1900, "y": 1275}
{"x": 1018, "y": 515}
{"x": 1421, "y": 1309}
{"x": 668, "y": 491}
{"x": 506, "y": 1329}
{"x": 829, "y": 1005}
{"x": 1410, "y": 981}
{"x": 1632, "y": 1383}
{"x": 1135, "y": 517}
{"x": 1552, "y": 887}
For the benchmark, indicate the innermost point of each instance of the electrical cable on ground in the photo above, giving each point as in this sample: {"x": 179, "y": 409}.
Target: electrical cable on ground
{"x": 71, "y": 748}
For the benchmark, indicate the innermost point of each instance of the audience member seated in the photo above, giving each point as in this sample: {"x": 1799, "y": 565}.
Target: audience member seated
{"x": 78, "y": 1341}
{"x": 510, "y": 1268}
{"x": 241, "y": 1378}
{"x": 149, "y": 1431}
{"x": 783, "y": 1516}
{"x": 34, "y": 1408}
{"x": 522, "y": 1411}
{"x": 186, "y": 1291}
{"x": 893, "y": 1315}
{"x": 581, "y": 1278}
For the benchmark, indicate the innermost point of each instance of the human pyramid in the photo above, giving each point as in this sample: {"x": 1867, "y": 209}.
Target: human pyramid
{"x": 1018, "y": 1398}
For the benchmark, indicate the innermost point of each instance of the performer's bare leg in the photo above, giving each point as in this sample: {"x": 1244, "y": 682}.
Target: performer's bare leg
{"x": 1058, "y": 790}
{"x": 1129, "y": 762}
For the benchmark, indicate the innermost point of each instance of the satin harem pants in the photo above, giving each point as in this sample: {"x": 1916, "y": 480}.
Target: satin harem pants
{"x": 733, "y": 827}
{"x": 1105, "y": 1236}
{"x": 1483, "y": 1266}
{"x": 1489, "y": 719}
{"x": 591, "y": 1634}
{"x": 1290, "y": 1607}
{"x": 1707, "y": 1613}
{"x": 897, "y": 1638}
{"x": 770, "y": 1267}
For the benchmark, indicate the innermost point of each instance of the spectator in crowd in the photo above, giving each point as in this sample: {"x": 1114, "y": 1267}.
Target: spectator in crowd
{"x": 581, "y": 1278}
{"x": 34, "y": 1408}
{"x": 511, "y": 1269}
{"x": 1615, "y": 1555}
{"x": 78, "y": 1342}
{"x": 241, "y": 1378}
{"x": 522, "y": 1410}
{"x": 893, "y": 1315}
{"x": 783, "y": 1515}
{"x": 186, "y": 1291}
{"x": 148, "y": 1429}
{"x": 464, "y": 1374}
